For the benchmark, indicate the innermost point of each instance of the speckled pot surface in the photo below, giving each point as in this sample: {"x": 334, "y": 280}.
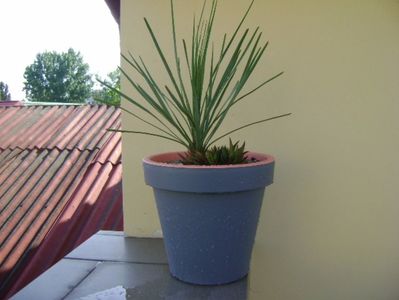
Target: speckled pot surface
{"x": 209, "y": 215}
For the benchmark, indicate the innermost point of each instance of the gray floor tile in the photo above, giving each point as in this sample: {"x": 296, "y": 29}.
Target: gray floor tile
{"x": 111, "y": 262}
{"x": 58, "y": 281}
{"x": 146, "y": 281}
{"x": 108, "y": 247}
{"x": 110, "y": 232}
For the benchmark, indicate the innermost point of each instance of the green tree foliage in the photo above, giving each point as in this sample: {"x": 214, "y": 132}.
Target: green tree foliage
{"x": 4, "y": 94}
{"x": 106, "y": 95}
{"x": 58, "y": 77}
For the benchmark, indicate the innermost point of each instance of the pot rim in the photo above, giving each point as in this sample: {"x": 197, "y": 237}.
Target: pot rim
{"x": 162, "y": 159}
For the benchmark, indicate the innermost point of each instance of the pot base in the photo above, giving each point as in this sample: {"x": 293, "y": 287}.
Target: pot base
{"x": 209, "y": 237}
{"x": 208, "y": 284}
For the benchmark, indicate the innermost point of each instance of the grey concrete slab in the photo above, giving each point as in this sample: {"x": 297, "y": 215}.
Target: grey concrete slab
{"x": 58, "y": 281}
{"x": 147, "y": 281}
{"x": 115, "y": 247}
{"x": 109, "y": 263}
{"x": 110, "y": 232}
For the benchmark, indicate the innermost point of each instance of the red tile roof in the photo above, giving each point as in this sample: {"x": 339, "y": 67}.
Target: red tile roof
{"x": 60, "y": 182}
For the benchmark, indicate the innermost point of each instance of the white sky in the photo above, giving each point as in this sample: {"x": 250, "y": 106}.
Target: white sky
{"x": 29, "y": 27}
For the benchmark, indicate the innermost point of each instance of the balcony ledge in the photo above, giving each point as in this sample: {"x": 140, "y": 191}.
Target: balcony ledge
{"x": 110, "y": 265}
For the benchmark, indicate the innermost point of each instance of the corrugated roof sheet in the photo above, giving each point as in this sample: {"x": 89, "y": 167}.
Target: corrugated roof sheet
{"x": 60, "y": 182}
{"x": 61, "y": 127}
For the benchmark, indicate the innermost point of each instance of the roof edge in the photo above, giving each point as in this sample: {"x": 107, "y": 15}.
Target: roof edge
{"x": 115, "y": 8}
{"x": 11, "y": 103}
{"x": 28, "y": 103}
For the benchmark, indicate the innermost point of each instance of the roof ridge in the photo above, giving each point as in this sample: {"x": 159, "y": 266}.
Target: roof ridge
{"x": 11, "y": 104}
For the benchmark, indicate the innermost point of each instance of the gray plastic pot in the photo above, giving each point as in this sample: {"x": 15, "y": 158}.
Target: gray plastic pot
{"x": 208, "y": 214}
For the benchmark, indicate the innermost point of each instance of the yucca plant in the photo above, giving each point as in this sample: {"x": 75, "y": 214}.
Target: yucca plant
{"x": 192, "y": 114}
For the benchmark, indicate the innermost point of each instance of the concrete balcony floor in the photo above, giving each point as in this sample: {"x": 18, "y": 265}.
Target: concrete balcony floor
{"x": 111, "y": 266}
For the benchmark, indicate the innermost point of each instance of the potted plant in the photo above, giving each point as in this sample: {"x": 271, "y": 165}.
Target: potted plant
{"x": 208, "y": 197}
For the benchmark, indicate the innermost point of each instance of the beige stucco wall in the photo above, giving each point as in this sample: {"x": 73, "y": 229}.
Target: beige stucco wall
{"x": 329, "y": 227}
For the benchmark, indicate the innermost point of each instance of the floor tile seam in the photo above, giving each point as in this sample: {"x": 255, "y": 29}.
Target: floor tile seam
{"x": 80, "y": 281}
{"x": 114, "y": 261}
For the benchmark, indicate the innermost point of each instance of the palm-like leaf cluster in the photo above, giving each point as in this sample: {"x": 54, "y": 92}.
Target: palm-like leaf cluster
{"x": 191, "y": 114}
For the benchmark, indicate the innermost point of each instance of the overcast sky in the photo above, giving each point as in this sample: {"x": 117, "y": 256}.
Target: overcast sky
{"x": 29, "y": 27}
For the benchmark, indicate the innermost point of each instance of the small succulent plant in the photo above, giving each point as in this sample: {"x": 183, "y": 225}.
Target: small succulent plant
{"x": 191, "y": 108}
{"x": 218, "y": 155}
